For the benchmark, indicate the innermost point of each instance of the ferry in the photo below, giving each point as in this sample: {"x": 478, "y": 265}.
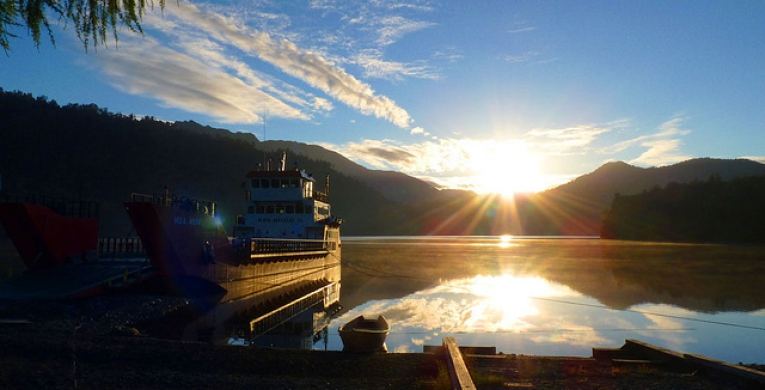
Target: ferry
{"x": 63, "y": 256}
{"x": 284, "y": 238}
{"x": 49, "y": 232}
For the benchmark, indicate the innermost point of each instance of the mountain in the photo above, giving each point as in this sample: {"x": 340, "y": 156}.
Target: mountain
{"x": 394, "y": 186}
{"x": 214, "y": 131}
{"x": 619, "y": 177}
{"x": 578, "y": 207}
{"x": 84, "y": 152}
{"x": 700, "y": 211}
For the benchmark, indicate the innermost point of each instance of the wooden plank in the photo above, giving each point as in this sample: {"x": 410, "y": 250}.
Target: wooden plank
{"x": 476, "y": 351}
{"x": 635, "y": 362}
{"x": 640, "y": 350}
{"x": 606, "y": 353}
{"x": 728, "y": 368}
{"x": 458, "y": 371}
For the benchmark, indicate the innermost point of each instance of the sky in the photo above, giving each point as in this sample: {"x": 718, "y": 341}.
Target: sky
{"x": 492, "y": 96}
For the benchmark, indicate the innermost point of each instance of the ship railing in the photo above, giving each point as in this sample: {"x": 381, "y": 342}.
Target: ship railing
{"x": 278, "y": 245}
{"x": 62, "y": 206}
{"x": 280, "y": 315}
{"x": 120, "y": 247}
{"x": 177, "y": 202}
{"x": 321, "y": 196}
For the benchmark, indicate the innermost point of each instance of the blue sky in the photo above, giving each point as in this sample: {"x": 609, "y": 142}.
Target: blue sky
{"x": 487, "y": 95}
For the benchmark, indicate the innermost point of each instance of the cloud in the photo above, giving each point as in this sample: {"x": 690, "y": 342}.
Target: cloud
{"x": 525, "y": 57}
{"x": 457, "y": 163}
{"x": 375, "y": 66}
{"x": 419, "y": 130}
{"x": 660, "y": 152}
{"x": 184, "y": 82}
{"x": 302, "y": 64}
{"x": 759, "y": 159}
{"x": 522, "y": 30}
{"x": 576, "y": 139}
{"x": 208, "y": 45}
{"x": 392, "y": 28}
{"x": 662, "y": 147}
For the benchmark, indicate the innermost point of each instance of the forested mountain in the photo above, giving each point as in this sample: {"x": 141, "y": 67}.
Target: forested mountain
{"x": 700, "y": 211}
{"x": 85, "y": 152}
{"x": 578, "y": 207}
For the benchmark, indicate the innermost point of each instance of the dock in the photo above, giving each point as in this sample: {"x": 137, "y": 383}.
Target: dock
{"x": 635, "y": 356}
{"x": 75, "y": 279}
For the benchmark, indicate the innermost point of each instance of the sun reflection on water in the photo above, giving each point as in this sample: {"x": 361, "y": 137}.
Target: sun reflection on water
{"x": 505, "y": 241}
{"x": 482, "y": 304}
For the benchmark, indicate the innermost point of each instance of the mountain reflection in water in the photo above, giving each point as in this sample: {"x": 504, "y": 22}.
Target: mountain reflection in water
{"x": 557, "y": 296}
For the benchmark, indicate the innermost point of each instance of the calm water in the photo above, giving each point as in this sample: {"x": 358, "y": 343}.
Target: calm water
{"x": 557, "y": 296}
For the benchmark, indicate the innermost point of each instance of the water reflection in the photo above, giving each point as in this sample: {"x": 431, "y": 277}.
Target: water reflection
{"x": 559, "y": 297}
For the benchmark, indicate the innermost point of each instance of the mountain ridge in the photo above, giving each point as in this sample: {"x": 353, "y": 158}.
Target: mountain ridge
{"x": 89, "y": 153}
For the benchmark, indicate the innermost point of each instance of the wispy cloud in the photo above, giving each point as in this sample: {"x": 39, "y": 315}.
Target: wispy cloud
{"x": 522, "y": 29}
{"x": 524, "y": 57}
{"x": 182, "y": 76}
{"x": 185, "y": 82}
{"x": 375, "y": 66}
{"x": 568, "y": 140}
{"x": 392, "y": 28}
{"x": 458, "y": 163}
{"x": 759, "y": 159}
{"x": 661, "y": 147}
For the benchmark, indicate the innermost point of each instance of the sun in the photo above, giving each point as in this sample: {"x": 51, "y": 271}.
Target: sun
{"x": 505, "y": 168}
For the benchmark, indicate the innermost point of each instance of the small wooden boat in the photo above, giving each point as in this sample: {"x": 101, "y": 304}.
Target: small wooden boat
{"x": 364, "y": 335}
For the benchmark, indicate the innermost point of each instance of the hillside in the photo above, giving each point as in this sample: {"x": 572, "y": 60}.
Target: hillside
{"x": 85, "y": 152}
{"x": 700, "y": 211}
{"x": 578, "y": 207}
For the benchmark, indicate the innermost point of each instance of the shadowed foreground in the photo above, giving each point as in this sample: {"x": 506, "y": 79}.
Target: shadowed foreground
{"x": 73, "y": 344}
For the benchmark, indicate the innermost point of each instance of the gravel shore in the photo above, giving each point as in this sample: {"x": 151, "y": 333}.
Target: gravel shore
{"x": 95, "y": 343}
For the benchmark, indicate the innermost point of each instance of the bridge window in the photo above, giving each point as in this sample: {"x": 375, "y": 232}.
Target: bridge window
{"x": 250, "y": 209}
{"x": 260, "y": 209}
{"x": 264, "y": 183}
{"x": 274, "y": 183}
{"x": 308, "y": 209}
{"x": 294, "y": 182}
{"x": 298, "y": 208}
{"x": 255, "y": 183}
{"x": 308, "y": 189}
{"x": 280, "y": 209}
{"x": 290, "y": 209}
{"x": 269, "y": 209}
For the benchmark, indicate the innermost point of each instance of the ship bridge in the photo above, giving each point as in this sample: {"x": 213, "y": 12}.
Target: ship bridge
{"x": 283, "y": 204}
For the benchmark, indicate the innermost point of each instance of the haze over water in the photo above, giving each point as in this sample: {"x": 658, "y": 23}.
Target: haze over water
{"x": 557, "y": 296}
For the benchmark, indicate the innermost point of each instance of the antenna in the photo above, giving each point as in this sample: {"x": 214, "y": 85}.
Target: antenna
{"x": 265, "y": 113}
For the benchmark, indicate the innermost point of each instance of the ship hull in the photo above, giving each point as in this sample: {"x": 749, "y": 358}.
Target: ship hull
{"x": 193, "y": 253}
{"x": 44, "y": 238}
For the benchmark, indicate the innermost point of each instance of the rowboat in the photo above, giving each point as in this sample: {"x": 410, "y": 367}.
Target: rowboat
{"x": 365, "y": 335}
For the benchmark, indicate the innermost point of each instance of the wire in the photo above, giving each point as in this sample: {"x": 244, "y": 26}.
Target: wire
{"x": 380, "y": 273}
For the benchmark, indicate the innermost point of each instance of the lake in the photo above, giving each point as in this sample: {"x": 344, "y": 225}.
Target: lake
{"x": 556, "y": 296}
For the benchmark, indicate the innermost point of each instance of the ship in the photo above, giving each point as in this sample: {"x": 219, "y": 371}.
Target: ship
{"x": 61, "y": 252}
{"x": 285, "y": 238}
{"x": 48, "y": 231}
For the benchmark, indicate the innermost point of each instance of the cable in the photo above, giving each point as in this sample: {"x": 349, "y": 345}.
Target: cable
{"x": 380, "y": 273}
